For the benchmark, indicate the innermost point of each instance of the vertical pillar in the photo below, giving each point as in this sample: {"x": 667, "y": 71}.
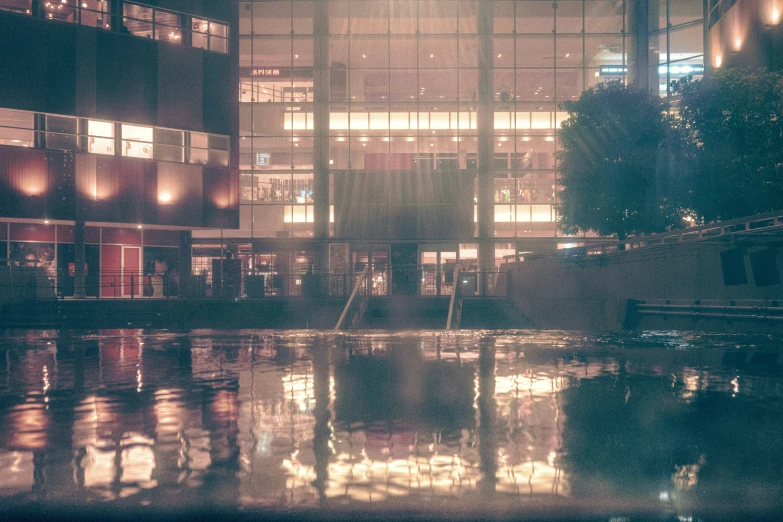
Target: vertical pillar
{"x": 707, "y": 59}
{"x": 643, "y": 59}
{"x": 321, "y": 122}
{"x": 486, "y": 130}
{"x": 79, "y": 260}
{"x": 185, "y": 261}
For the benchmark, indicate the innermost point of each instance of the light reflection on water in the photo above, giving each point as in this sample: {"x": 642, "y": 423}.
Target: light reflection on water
{"x": 664, "y": 421}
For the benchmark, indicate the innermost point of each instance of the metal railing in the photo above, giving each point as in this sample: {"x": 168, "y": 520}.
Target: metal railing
{"x": 24, "y": 281}
{"x": 722, "y": 310}
{"x": 767, "y": 222}
{"x": 357, "y": 303}
{"x": 455, "y": 305}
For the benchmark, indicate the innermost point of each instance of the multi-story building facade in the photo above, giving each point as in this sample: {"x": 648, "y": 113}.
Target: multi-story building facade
{"x": 117, "y": 137}
{"x": 424, "y": 132}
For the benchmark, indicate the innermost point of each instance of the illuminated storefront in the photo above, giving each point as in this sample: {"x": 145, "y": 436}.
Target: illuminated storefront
{"x": 399, "y": 126}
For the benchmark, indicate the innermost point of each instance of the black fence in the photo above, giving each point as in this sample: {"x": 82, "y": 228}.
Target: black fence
{"x": 36, "y": 282}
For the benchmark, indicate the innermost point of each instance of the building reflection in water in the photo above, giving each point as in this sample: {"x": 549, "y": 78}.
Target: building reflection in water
{"x": 261, "y": 419}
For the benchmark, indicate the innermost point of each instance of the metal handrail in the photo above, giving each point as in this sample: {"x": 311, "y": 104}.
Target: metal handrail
{"x": 362, "y": 279}
{"x": 456, "y": 294}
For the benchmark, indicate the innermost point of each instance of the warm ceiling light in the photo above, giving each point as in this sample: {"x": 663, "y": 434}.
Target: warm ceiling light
{"x": 138, "y": 226}
{"x": 775, "y": 15}
{"x": 46, "y": 221}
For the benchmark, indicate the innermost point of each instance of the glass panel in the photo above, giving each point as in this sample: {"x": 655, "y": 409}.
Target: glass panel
{"x": 606, "y": 16}
{"x": 137, "y": 20}
{"x": 369, "y": 17}
{"x": 16, "y": 6}
{"x": 303, "y": 18}
{"x": 468, "y": 17}
{"x": 403, "y": 16}
{"x": 136, "y": 141}
{"x": 169, "y": 145}
{"x": 16, "y": 128}
{"x": 168, "y": 27}
{"x": 437, "y": 51}
{"x": 504, "y": 17}
{"x": 199, "y": 148}
{"x": 272, "y": 18}
{"x": 62, "y": 133}
{"x": 569, "y": 16}
{"x": 100, "y": 137}
{"x": 370, "y": 51}
{"x": 96, "y": 13}
{"x": 62, "y": 10}
{"x": 437, "y": 17}
{"x": 199, "y": 33}
{"x": 535, "y": 51}
{"x": 535, "y": 17}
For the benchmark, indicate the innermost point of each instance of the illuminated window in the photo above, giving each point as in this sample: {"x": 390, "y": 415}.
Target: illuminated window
{"x": 16, "y": 6}
{"x": 168, "y": 27}
{"x": 136, "y": 141}
{"x": 16, "y": 128}
{"x": 100, "y": 137}
{"x": 199, "y": 148}
{"x": 209, "y": 35}
{"x": 137, "y": 20}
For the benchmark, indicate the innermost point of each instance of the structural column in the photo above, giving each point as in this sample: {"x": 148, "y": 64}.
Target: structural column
{"x": 185, "y": 260}
{"x": 486, "y": 130}
{"x": 321, "y": 122}
{"x": 79, "y": 260}
{"x": 643, "y": 54}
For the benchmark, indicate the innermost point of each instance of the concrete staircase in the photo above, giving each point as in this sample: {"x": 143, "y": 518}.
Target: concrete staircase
{"x": 491, "y": 313}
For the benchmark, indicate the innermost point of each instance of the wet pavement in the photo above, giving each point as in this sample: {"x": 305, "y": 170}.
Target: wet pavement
{"x": 427, "y": 425}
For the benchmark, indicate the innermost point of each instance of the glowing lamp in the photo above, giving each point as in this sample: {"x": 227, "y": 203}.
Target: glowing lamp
{"x": 164, "y": 197}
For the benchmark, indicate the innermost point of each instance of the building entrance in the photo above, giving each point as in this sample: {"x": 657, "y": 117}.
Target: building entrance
{"x": 437, "y": 272}
{"x": 379, "y": 269}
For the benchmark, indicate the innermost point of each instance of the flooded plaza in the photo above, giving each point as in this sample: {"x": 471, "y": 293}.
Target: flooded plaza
{"x": 483, "y": 424}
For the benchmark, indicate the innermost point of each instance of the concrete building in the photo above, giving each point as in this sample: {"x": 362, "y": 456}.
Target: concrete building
{"x": 115, "y": 139}
{"x": 405, "y": 133}
{"x": 404, "y": 136}
{"x": 745, "y": 32}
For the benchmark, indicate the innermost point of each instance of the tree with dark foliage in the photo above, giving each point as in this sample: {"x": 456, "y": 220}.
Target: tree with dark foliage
{"x": 617, "y": 172}
{"x": 735, "y": 120}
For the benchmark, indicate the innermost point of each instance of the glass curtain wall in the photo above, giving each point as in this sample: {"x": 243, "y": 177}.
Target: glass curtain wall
{"x": 680, "y": 41}
{"x": 276, "y": 119}
{"x": 403, "y": 129}
{"x": 403, "y": 111}
{"x": 545, "y": 53}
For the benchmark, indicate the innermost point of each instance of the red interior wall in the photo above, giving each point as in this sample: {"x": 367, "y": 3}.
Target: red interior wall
{"x": 110, "y": 270}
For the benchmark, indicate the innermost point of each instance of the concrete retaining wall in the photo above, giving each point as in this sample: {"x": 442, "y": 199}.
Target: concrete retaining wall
{"x": 591, "y": 293}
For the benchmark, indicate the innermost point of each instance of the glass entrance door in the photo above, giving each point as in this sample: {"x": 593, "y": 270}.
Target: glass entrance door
{"x": 379, "y": 269}
{"x": 430, "y": 282}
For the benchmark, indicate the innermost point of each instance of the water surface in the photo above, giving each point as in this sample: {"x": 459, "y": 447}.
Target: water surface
{"x": 432, "y": 424}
